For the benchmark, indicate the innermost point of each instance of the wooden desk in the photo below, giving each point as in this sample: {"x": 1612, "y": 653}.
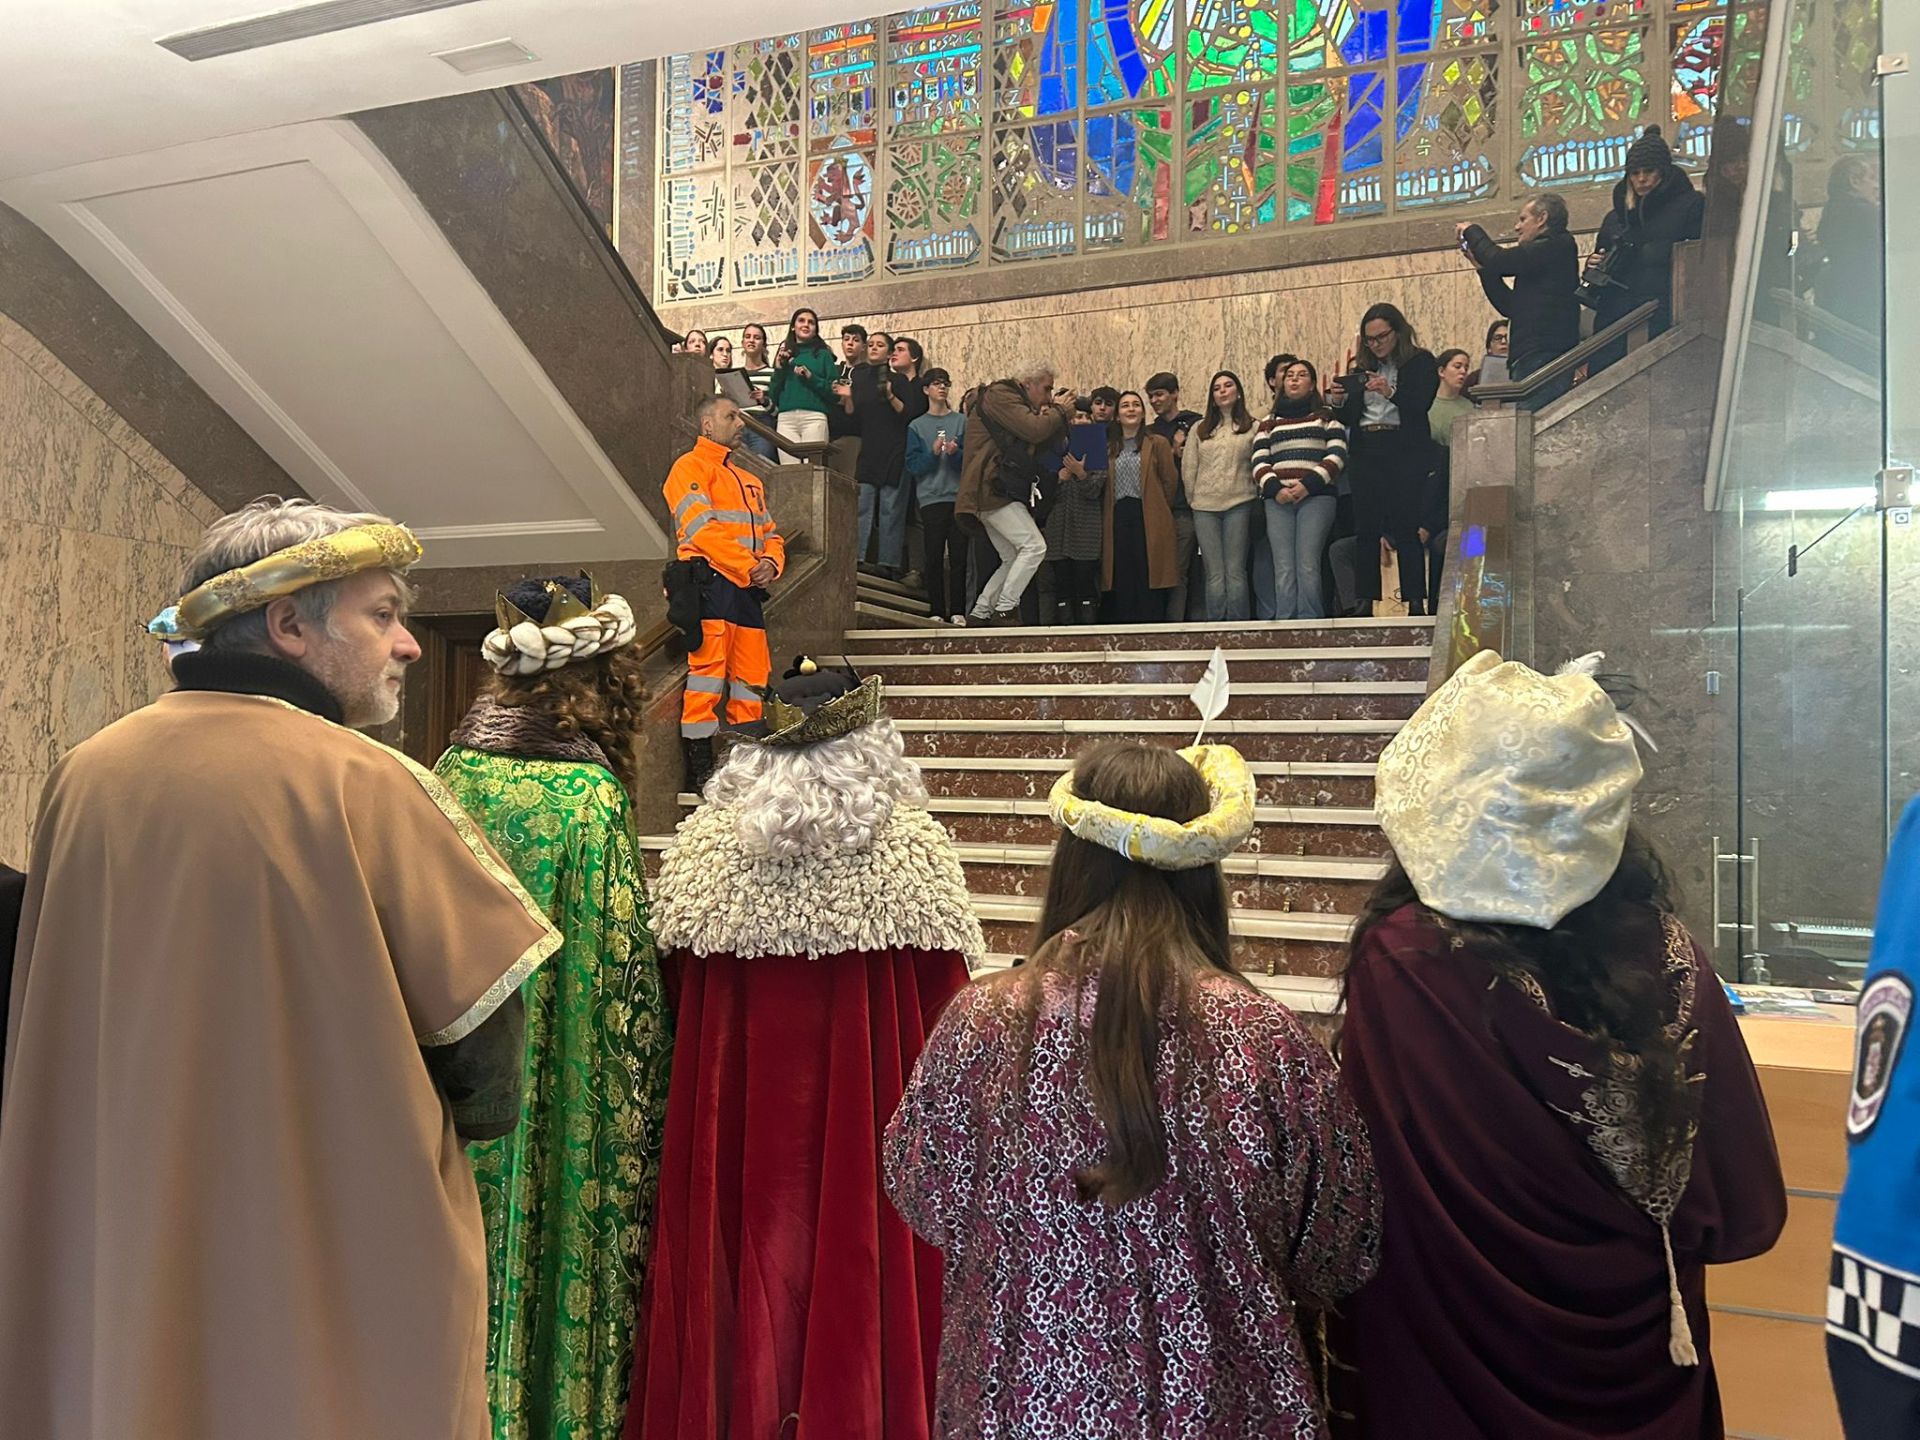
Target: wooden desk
{"x": 1769, "y": 1313}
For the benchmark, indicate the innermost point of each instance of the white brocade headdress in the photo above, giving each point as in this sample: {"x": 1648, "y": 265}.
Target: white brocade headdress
{"x": 568, "y": 630}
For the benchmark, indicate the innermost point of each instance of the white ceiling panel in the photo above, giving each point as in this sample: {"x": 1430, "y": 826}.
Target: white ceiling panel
{"x": 296, "y": 278}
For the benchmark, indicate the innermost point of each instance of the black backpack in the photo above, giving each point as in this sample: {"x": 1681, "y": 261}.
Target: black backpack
{"x": 1022, "y": 469}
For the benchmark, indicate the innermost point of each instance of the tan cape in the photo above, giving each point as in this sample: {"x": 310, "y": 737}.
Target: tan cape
{"x": 232, "y": 1204}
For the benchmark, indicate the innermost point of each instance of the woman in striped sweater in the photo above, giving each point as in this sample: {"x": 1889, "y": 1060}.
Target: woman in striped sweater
{"x": 1297, "y": 457}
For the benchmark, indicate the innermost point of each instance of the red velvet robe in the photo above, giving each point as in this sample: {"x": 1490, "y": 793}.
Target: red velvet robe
{"x": 1521, "y": 1295}
{"x": 786, "y": 1300}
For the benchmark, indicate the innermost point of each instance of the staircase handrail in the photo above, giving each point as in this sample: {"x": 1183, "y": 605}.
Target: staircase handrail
{"x": 1804, "y": 310}
{"x": 809, "y": 452}
{"x": 1632, "y": 327}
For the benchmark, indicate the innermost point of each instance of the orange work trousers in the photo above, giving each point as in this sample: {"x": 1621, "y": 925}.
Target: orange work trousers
{"x": 730, "y": 668}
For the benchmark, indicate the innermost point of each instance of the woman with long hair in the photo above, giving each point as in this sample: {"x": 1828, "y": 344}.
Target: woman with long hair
{"x": 1566, "y": 1122}
{"x": 1139, "y": 548}
{"x": 1136, "y": 1163}
{"x": 545, "y": 764}
{"x": 1217, "y": 468}
{"x": 804, "y": 370}
{"x": 892, "y": 398}
{"x": 757, "y": 365}
{"x": 1383, "y": 403}
{"x": 1297, "y": 462}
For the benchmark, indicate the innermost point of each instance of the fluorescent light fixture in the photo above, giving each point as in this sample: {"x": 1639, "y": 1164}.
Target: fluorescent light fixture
{"x": 1839, "y": 497}
{"x": 493, "y": 55}
{"x": 302, "y": 23}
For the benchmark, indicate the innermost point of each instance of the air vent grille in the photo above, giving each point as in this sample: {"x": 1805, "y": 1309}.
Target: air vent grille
{"x": 302, "y": 23}
{"x": 494, "y": 55}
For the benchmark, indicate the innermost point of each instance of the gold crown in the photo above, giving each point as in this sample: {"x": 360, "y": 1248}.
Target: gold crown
{"x": 842, "y": 715}
{"x": 562, "y": 607}
{"x": 311, "y": 562}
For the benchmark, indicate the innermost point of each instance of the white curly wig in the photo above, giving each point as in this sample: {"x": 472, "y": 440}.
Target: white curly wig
{"x": 817, "y": 799}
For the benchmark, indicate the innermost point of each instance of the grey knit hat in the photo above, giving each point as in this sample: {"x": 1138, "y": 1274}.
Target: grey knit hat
{"x": 1650, "y": 152}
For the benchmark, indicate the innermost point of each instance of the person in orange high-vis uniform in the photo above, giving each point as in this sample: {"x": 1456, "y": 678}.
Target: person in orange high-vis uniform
{"x": 720, "y": 516}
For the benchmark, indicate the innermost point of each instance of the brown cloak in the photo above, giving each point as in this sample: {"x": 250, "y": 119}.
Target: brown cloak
{"x": 232, "y": 1204}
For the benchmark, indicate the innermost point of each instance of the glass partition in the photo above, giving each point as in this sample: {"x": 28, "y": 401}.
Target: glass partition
{"x": 1807, "y": 551}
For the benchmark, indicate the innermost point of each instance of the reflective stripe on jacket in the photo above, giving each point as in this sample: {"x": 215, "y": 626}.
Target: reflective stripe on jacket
{"x": 720, "y": 513}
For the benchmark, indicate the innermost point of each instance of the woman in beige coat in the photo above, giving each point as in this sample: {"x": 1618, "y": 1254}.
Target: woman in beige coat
{"x": 1139, "y": 552}
{"x": 1217, "y": 467}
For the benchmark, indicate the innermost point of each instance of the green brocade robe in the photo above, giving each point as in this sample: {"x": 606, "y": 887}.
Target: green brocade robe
{"x": 568, "y": 1196}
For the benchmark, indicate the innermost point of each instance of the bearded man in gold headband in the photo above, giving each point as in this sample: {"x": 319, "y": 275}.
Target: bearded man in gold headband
{"x": 267, "y": 977}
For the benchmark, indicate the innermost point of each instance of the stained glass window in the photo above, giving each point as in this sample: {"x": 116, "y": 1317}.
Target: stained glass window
{"x": 840, "y": 218}
{"x": 1232, "y": 178}
{"x": 766, "y": 105}
{"x": 1036, "y": 58}
{"x": 840, "y": 80}
{"x": 1582, "y": 102}
{"x": 1036, "y": 184}
{"x": 696, "y": 87}
{"x": 966, "y": 132}
{"x": 766, "y": 226}
{"x": 1130, "y": 166}
{"x": 693, "y": 252}
{"x": 933, "y": 203}
{"x": 933, "y": 69}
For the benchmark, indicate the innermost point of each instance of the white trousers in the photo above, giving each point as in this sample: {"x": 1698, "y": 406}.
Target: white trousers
{"x": 1022, "y": 550}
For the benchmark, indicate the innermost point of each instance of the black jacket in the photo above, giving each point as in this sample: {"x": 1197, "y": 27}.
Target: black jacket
{"x": 883, "y": 430}
{"x": 1540, "y": 303}
{"x": 13, "y": 894}
{"x": 1645, "y": 236}
{"x": 1417, "y": 384}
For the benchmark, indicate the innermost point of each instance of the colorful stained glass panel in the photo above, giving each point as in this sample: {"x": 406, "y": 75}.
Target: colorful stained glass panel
{"x": 1035, "y": 200}
{"x": 696, "y": 97}
{"x": 1541, "y": 17}
{"x": 765, "y": 105}
{"x": 933, "y": 68}
{"x": 1130, "y": 49}
{"x": 1582, "y": 100}
{"x": 840, "y": 218}
{"x": 1446, "y": 153}
{"x": 693, "y": 253}
{"x": 933, "y": 203}
{"x": 1232, "y": 178}
{"x": 840, "y": 86}
{"x": 766, "y": 226}
{"x": 1699, "y": 46}
{"x": 1335, "y": 147}
{"x": 1036, "y": 58}
{"x": 1231, "y": 43}
{"x": 1130, "y": 192}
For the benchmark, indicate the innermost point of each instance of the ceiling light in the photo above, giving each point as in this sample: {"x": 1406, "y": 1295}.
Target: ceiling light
{"x": 298, "y": 24}
{"x": 494, "y": 55}
{"x": 1838, "y": 497}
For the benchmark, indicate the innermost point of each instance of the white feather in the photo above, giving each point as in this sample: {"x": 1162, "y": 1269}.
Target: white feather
{"x": 1211, "y": 694}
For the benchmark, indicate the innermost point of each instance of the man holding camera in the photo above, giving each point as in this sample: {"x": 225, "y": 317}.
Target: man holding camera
{"x": 1006, "y": 474}
{"x": 1533, "y": 282}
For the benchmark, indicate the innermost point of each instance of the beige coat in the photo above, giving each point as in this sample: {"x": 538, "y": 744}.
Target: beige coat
{"x": 1006, "y": 405}
{"x": 232, "y": 1204}
{"x": 1158, "y": 483}
{"x": 1218, "y": 471}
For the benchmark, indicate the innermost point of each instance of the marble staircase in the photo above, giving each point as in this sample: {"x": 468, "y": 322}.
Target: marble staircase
{"x": 994, "y": 717}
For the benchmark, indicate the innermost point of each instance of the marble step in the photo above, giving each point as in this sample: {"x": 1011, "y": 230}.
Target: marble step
{"x": 867, "y": 610}
{"x": 1251, "y": 700}
{"x": 1276, "y": 782}
{"x": 1305, "y": 995}
{"x": 1289, "y": 884}
{"x": 1293, "y": 665}
{"x": 1291, "y": 741}
{"x": 1264, "y": 942}
{"x": 1252, "y": 634}
{"x": 910, "y": 596}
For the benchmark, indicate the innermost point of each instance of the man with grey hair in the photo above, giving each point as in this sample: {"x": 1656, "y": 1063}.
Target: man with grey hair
{"x": 266, "y": 981}
{"x": 1023, "y": 423}
{"x": 1542, "y": 300}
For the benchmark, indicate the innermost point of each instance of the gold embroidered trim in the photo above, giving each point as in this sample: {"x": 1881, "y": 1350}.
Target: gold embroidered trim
{"x": 530, "y": 959}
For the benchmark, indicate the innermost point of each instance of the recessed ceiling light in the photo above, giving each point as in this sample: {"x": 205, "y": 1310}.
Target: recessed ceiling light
{"x": 298, "y": 24}
{"x": 494, "y": 55}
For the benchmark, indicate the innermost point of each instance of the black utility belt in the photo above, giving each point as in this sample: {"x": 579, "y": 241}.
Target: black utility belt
{"x": 1377, "y": 429}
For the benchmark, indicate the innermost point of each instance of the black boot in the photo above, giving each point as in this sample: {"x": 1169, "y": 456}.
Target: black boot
{"x": 699, "y": 761}
{"x": 1089, "y": 611}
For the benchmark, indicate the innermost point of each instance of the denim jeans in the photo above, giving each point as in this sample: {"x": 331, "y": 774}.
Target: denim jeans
{"x": 1297, "y": 535}
{"x": 891, "y": 501}
{"x": 1225, "y": 536}
{"x": 766, "y": 449}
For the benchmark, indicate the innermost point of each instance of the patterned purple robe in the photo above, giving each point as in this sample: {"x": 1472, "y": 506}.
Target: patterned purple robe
{"x": 1173, "y": 1315}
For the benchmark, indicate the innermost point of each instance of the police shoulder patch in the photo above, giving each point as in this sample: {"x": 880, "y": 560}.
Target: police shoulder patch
{"x": 1886, "y": 1007}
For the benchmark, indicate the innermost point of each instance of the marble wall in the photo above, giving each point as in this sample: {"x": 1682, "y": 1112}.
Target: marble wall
{"x": 1121, "y": 335}
{"x": 98, "y": 525}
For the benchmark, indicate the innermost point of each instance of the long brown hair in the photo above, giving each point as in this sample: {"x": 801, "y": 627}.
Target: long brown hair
{"x": 1592, "y": 966}
{"x": 600, "y": 699}
{"x": 1142, "y": 935}
{"x": 1242, "y": 417}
